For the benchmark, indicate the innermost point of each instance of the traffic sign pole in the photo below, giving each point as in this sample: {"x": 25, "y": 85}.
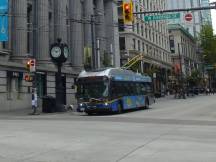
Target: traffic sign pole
{"x": 178, "y": 10}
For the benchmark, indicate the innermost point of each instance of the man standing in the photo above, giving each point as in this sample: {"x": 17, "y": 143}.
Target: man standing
{"x": 34, "y": 102}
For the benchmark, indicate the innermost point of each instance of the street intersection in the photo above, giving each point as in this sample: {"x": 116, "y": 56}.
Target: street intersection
{"x": 173, "y": 130}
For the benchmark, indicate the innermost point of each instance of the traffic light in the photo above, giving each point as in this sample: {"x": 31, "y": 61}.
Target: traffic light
{"x": 127, "y": 12}
{"x": 31, "y": 65}
{"x": 28, "y": 78}
{"x": 28, "y": 65}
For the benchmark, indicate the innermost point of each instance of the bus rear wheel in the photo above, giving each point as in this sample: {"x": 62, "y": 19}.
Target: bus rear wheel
{"x": 147, "y": 104}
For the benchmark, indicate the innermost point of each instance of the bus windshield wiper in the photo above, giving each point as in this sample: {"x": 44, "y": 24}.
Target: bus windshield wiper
{"x": 95, "y": 99}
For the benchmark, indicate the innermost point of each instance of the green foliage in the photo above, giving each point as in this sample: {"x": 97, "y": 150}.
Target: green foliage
{"x": 195, "y": 78}
{"x": 208, "y": 44}
{"x": 151, "y": 71}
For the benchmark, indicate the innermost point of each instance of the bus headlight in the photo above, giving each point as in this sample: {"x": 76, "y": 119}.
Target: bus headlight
{"x": 106, "y": 104}
{"x": 81, "y": 105}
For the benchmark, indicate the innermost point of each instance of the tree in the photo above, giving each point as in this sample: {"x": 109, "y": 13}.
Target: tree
{"x": 208, "y": 44}
{"x": 195, "y": 78}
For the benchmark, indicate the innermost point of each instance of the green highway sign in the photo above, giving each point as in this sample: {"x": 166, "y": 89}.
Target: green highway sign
{"x": 162, "y": 17}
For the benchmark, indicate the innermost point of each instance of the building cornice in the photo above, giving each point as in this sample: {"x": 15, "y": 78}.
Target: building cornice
{"x": 140, "y": 37}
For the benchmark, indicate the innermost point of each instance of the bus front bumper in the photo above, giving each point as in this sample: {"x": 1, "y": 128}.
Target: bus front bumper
{"x": 94, "y": 109}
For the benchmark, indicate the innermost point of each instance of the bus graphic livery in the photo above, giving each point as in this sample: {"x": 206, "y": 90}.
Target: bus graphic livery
{"x": 113, "y": 90}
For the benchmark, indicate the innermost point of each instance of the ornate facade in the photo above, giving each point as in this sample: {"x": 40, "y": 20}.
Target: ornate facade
{"x": 151, "y": 39}
{"x": 87, "y": 26}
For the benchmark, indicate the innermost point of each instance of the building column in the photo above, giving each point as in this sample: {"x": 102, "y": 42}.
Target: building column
{"x": 100, "y": 30}
{"x": 112, "y": 32}
{"x": 88, "y": 14}
{"x": 19, "y": 36}
{"x": 60, "y": 16}
{"x": 42, "y": 30}
{"x": 76, "y": 34}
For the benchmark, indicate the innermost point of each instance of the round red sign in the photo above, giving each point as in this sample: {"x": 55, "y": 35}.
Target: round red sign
{"x": 188, "y": 17}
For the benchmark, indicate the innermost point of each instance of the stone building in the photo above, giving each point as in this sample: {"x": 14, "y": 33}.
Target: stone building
{"x": 183, "y": 48}
{"x": 87, "y": 26}
{"x": 151, "y": 39}
{"x": 206, "y": 14}
{"x": 199, "y": 17}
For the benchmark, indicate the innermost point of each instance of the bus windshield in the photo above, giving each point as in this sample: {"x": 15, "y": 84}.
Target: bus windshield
{"x": 97, "y": 89}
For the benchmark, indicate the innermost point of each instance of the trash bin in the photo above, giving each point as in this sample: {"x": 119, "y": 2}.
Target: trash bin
{"x": 48, "y": 104}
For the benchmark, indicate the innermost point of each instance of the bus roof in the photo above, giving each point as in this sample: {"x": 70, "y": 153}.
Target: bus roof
{"x": 117, "y": 74}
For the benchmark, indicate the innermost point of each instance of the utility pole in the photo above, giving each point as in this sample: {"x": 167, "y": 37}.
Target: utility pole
{"x": 93, "y": 60}
{"x": 181, "y": 73}
{"x": 98, "y": 53}
{"x": 34, "y": 72}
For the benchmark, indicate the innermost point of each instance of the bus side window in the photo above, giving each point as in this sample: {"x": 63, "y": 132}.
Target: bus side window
{"x": 143, "y": 88}
{"x": 148, "y": 87}
{"x": 138, "y": 88}
{"x": 126, "y": 89}
{"x": 133, "y": 89}
{"x": 113, "y": 89}
{"x": 116, "y": 90}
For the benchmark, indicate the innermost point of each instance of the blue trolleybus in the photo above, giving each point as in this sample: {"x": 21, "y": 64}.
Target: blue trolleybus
{"x": 113, "y": 90}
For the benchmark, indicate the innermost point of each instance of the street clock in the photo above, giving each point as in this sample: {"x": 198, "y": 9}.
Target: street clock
{"x": 55, "y": 52}
{"x": 59, "y": 52}
{"x": 66, "y": 51}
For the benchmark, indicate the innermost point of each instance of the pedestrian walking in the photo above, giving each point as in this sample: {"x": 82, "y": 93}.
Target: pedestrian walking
{"x": 207, "y": 91}
{"x": 34, "y": 102}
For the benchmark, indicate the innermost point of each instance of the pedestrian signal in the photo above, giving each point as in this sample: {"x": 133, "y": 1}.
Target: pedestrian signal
{"x": 28, "y": 78}
{"x": 127, "y": 12}
{"x": 32, "y": 65}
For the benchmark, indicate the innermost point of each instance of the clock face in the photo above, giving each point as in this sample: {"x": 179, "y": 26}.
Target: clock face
{"x": 66, "y": 52}
{"x": 56, "y": 52}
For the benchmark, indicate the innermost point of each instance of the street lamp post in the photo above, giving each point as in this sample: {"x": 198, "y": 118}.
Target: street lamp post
{"x": 96, "y": 42}
{"x": 181, "y": 73}
{"x": 59, "y": 53}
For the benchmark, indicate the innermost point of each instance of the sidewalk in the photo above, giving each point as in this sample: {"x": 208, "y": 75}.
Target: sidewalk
{"x": 27, "y": 113}
{"x": 167, "y": 97}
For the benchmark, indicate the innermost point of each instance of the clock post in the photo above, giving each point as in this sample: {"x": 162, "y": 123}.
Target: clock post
{"x": 59, "y": 54}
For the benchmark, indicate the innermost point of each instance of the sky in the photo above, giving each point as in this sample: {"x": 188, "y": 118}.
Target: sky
{"x": 214, "y": 17}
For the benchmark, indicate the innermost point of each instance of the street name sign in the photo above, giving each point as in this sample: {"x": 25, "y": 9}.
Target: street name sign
{"x": 162, "y": 17}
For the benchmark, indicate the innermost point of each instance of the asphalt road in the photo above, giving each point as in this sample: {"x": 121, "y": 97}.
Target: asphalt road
{"x": 171, "y": 131}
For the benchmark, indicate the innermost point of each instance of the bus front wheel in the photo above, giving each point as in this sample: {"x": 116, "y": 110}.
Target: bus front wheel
{"x": 119, "y": 108}
{"x": 89, "y": 113}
